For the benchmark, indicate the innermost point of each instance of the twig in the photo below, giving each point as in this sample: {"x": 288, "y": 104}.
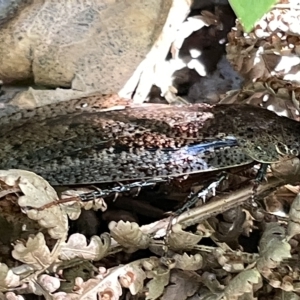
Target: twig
{"x": 224, "y": 203}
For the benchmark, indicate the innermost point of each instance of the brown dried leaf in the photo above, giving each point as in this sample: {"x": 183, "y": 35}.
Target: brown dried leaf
{"x": 133, "y": 278}
{"x": 287, "y": 283}
{"x": 294, "y": 220}
{"x": 7, "y": 278}
{"x": 182, "y": 285}
{"x": 49, "y": 283}
{"x": 35, "y": 252}
{"x": 12, "y": 296}
{"x": 274, "y": 247}
{"x": 129, "y": 235}
{"x": 52, "y": 218}
{"x": 182, "y": 240}
{"x": 242, "y": 283}
{"x": 73, "y": 208}
{"x": 188, "y": 262}
{"x": 274, "y": 95}
{"x": 288, "y": 170}
{"x": 77, "y": 246}
{"x": 283, "y": 295}
{"x": 109, "y": 282}
{"x": 61, "y": 296}
{"x": 211, "y": 282}
{"x": 37, "y": 193}
{"x": 98, "y": 288}
{"x": 206, "y": 294}
{"x": 273, "y": 233}
{"x": 273, "y": 255}
{"x": 160, "y": 278}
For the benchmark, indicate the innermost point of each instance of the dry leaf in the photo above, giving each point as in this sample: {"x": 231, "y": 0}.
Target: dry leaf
{"x": 109, "y": 282}
{"x": 52, "y": 218}
{"x": 129, "y": 235}
{"x": 7, "y": 278}
{"x": 188, "y": 262}
{"x": 182, "y": 285}
{"x": 242, "y": 283}
{"x": 274, "y": 247}
{"x": 77, "y": 246}
{"x": 182, "y": 240}
{"x": 211, "y": 282}
{"x": 37, "y": 193}
{"x": 12, "y": 296}
{"x": 49, "y": 283}
{"x": 73, "y": 208}
{"x": 160, "y": 278}
{"x": 133, "y": 278}
{"x": 283, "y": 295}
{"x": 35, "y": 252}
{"x": 294, "y": 220}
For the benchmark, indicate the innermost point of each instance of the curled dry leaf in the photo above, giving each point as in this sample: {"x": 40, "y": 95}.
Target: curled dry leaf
{"x": 37, "y": 193}
{"x": 219, "y": 254}
{"x": 287, "y": 170}
{"x": 160, "y": 278}
{"x": 77, "y": 246}
{"x": 12, "y": 296}
{"x": 272, "y": 233}
{"x": 7, "y": 278}
{"x": 110, "y": 282}
{"x": 272, "y": 258}
{"x": 206, "y": 294}
{"x": 242, "y": 284}
{"x": 211, "y": 282}
{"x": 95, "y": 204}
{"x": 35, "y": 252}
{"x": 182, "y": 285}
{"x": 133, "y": 278}
{"x": 294, "y": 220}
{"x": 273, "y": 45}
{"x": 234, "y": 267}
{"x": 286, "y": 295}
{"x": 129, "y": 235}
{"x": 97, "y": 288}
{"x": 287, "y": 284}
{"x": 179, "y": 239}
{"x": 49, "y": 283}
{"x": 52, "y": 218}
{"x": 273, "y": 94}
{"x": 73, "y": 208}
{"x": 274, "y": 247}
{"x": 61, "y": 296}
{"x": 188, "y": 262}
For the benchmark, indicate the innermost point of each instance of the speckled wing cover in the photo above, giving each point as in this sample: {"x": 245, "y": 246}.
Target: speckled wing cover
{"x": 76, "y": 142}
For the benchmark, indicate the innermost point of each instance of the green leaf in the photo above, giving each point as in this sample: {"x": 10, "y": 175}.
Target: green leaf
{"x": 250, "y": 11}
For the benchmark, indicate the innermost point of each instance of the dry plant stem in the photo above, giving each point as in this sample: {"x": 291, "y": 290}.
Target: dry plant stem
{"x": 54, "y": 257}
{"x": 199, "y": 214}
{"x": 202, "y": 213}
